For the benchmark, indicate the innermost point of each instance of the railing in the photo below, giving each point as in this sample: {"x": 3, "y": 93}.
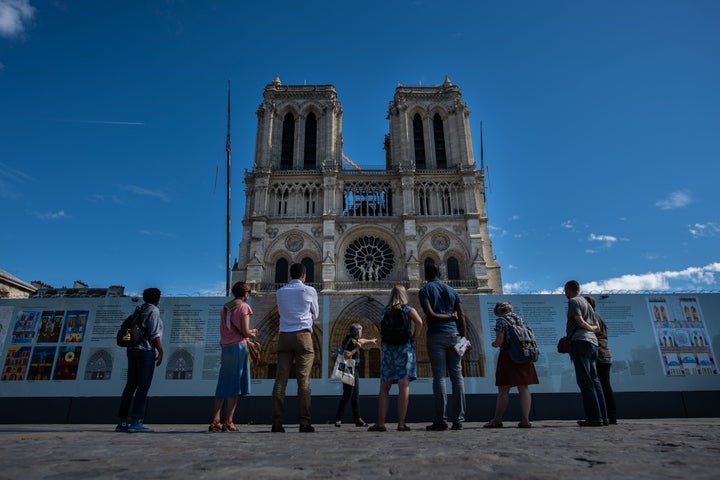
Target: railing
{"x": 459, "y": 285}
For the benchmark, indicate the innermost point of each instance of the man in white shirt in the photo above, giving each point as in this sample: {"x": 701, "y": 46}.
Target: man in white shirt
{"x": 298, "y": 307}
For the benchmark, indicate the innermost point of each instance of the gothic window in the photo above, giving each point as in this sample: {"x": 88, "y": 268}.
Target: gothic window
{"x": 310, "y": 142}
{"x": 367, "y": 199}
{"x": 453, "y": 269}
{"x": 439, "y": 198}
{"x": 294, "y": 200}
{"x": 419, "y": 141}
{"x": 439, "y": 138}
{"x": 309, "y": 269}
{"x": 309, "y": 203}
{"x": 288, "y": 142}
{"x": 426, "y": 262}
{"x": 282, "y": 270}
{"x": 369, "y": 259}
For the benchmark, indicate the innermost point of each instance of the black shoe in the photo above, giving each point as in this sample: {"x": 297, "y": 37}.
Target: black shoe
{"x": 278, "y": 429}
{"x": 589, "y": 423}
{"x": 456, "y": 426}
{"x": 306, "y": 428}
{"x": 437, "y": 427}
{"x": 360, "y": 423}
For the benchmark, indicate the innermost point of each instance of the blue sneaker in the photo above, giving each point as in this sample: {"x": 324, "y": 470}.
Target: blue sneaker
{"x": 122, "y": 427}
{"x": 138, "y": 427}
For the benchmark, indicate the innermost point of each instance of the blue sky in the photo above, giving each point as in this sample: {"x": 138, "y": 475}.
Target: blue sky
{"x": 601, "y": 125}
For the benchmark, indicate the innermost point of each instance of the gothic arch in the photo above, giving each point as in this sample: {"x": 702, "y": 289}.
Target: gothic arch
{"x": 365, "y": 311}
{"x": 100, "y": 366}
{"x": 268, "y": 331}
{"x": 179, "y": 366}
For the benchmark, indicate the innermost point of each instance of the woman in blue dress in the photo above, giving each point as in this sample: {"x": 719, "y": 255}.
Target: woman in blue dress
{"x": 398, "y": 364}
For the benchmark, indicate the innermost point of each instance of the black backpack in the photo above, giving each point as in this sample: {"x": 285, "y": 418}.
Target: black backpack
{"x": 131, "y": 333}
{"x": 395, "y": 327}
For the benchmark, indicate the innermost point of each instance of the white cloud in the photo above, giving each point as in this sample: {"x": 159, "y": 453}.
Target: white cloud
{"x": 516, "y": 287}
{"x": 691, "y": 278}
{"x": 608, "y": 240}
{"x": 677, "y": 199}
{"x": 60, "y": 214}
{"x": 146, "y": 192}
{"x": 709, "y": 229}
{"x": 14, "y": 17}
{"x": 568, "y": 224}
{"x": 496, "y": 231}
{"x": 154, "y": 233}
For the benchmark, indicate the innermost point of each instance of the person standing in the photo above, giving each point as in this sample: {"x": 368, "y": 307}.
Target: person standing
{"x": 581, "y": 328}
{"x": 298, "y": 307}
{"x": 352, "y": 344}
{"x": 509, "y": 374}
{"x": 234, "y": 376}
{"x": 398, "y": 364}
{"x": 142, "y": 361}
{"x": 604, "y": 362}
{"x": 446, "y": 324}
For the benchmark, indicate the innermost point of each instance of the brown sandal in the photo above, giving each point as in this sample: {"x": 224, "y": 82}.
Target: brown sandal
{"x": 229, "y": 427}
{"x": 215, "y": 427}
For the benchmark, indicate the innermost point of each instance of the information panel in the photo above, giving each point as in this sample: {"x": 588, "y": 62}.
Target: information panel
{"x": 66, "y": 346}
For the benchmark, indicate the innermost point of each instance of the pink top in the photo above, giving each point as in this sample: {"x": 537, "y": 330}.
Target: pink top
{"x": 230, "y": 330}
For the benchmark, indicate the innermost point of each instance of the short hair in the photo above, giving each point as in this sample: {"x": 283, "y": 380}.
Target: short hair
{"x": 431, "y": 271}
{"x": 590, "y": 300}
{"x": 240, "y": 289}
{"x": 573, "y": 285}
{"x": 297, "y": 270}
{"x": 151, "y": 295}
{"x": 355, "y": 328}
{"x": 501, "y": 308}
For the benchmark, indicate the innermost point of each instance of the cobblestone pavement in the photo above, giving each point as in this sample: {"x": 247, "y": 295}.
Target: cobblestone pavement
{"x": 658, "y": 448}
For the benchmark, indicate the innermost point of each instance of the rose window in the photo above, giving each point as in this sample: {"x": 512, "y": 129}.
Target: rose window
{"x": 369, "y": 258}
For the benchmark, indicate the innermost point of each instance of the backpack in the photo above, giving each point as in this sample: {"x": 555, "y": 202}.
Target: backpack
{"x": 131, "y": 333}
{"x": 395, "y": 327}
{"x": 520, "y": 340}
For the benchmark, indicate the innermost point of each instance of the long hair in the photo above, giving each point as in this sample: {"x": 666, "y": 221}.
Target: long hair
{"x": 398, "y": 297}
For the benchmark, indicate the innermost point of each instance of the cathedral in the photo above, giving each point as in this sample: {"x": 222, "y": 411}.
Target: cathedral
{"x": 358, "y": 229}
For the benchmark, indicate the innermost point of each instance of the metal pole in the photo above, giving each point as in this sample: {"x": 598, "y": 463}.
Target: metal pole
{"x": 228, "y": 150}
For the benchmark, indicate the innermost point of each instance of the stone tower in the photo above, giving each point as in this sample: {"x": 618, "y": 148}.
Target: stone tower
{"x": 361, "y": 229}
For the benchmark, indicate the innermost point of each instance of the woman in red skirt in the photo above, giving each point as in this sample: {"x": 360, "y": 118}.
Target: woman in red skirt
{"x": 509, "y": 374}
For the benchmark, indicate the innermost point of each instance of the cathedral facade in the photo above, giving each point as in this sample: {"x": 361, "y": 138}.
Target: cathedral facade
{"x": 365, "y": 229}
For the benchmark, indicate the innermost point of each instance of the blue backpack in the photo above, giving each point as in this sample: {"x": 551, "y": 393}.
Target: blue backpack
{"x": 520, "y": 340}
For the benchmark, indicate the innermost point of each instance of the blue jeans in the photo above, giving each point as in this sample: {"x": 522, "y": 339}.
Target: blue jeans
{"x": 141, "y": 366}
{"x": 444, "y": 358}
{"x": 583, "y": 355}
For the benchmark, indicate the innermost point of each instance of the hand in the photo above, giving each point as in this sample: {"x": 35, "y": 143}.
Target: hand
{"x": 158, "y": 357}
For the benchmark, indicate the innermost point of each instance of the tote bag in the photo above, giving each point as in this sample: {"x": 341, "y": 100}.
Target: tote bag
{"x": 344, "y": 370}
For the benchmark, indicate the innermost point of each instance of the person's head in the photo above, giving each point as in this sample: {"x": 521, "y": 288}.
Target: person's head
{"x": 398, "y": 297}
{"x": 431, "y": 271}
{"x": 501, "y": 308}
{"x": 151, "y": 295}
{"x": 241, "y": 290}
{"x": 572, "y": 289}
{"x": 297, "y": 271}
{"x": 590, "y": 300}
{"x": 356, "y": 330}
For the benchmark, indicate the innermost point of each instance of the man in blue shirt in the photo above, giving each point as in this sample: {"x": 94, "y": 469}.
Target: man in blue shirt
{"x": 445, "y": 325}
{"x": 142, "y": 361}
{"x": 298, "y": 308}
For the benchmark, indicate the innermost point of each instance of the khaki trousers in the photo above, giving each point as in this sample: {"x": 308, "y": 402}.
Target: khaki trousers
{"x": 297, "y": 347}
